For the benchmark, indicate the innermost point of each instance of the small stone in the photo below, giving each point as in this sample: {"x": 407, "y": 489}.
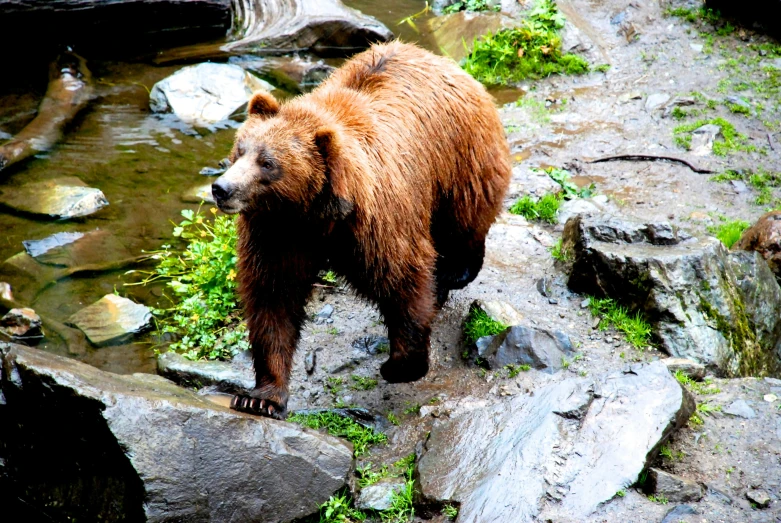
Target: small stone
{"x": 674, "y": 488}
{"x": 541, "y": 349}
{"x": 211, "y": 171}
{"x": 553, "y": 301}
{"x": 770, "y": 398}
{"x": 703, "y": 138}
{"x": 585, "y": 303}
{"x": 677, "y": 514}
{"x": 544, "y": 287}
{"x": 500, "y": 311}
{"x": 112, "y": 319}
{"x": 5, "y": 291}
{"x": 22, "y": 325}
{"x": 372, "y": 344}
{"x": 759, "y": 497}
{"x": 740, "y": 409}
{"x": 595, "y": 322}
{"x": 692, "y": 369}
{"x": 380, "y": 495}
{"x": 697, "y": 48}
{"x": 310, "y": 360}
{"x": 656, "y": 101}
{"x": 326, "y": 311}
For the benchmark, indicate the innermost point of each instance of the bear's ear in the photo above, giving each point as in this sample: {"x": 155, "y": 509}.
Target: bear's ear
{"x": 328, "y": 143}
{"x": 263, "y": 104}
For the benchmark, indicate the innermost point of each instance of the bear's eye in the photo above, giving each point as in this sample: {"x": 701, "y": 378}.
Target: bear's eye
{"x": 266, "y": 164}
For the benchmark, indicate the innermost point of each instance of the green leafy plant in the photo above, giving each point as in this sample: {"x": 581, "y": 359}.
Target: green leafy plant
{"x": 204, "y": 312}
{"x": 342, "y": 427}
{"x": 478, "y": 324}
{"x": 530, "y": 51}
{"x": 414, "y": 408}
{"x": 367, "y": 477}
{"x": 471, "y": 5}
{"x": 634, "y": 326}
{"x": 621, "y": 493}
{"x": 393, "y": 419}
{"x": 401, "y": 507}
{"x": 729, "y": 232}
{"x": 731, "y": 139}
{"x": 545, "y": 209}
{"x": 450, "y": 512}
{"x": 338, "y": 509}
{"x": 362, "y": 383}
{"x": 558, "y": 252}
{"x": 662, "y": 500}
{"x": 703, "y": 388}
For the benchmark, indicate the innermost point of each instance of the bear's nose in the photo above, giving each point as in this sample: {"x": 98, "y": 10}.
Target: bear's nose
{"x": 221, "y": 191}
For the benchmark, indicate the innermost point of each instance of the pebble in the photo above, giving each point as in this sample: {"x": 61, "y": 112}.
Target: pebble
{"x": 770, "y": 398}
{"x": 759, "y": 497}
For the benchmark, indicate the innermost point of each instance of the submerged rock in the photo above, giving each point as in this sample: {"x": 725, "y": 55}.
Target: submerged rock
{"x": 519, "y": 345}
{"x": 205, "y": 93}
{"x": 77, "y": 249}
{"x": 22, "y": 326}
{"x": 139, "y": 448}
{"x": 557, "y": 455}
{"x": 454, "y": 34}
{"x": 111, "y": 320}
{"x": 764, "y": 237}
{"x": 703, "y": 303}
{"x": 326, "y": 27}
{"x": 59, "y": 198}
{"x": 294, "y": 74}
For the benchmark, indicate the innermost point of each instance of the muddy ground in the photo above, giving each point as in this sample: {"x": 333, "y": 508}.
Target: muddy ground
{"x": 589, "y": 117}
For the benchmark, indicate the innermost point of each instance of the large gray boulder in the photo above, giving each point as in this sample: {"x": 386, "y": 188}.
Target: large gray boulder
{"x": 205, "y": 93}
{"x": 556, "y": 455}
{"x": 326, "y": 27}
{"x": 705, "y": 304}
{"x": 82, "y": 444}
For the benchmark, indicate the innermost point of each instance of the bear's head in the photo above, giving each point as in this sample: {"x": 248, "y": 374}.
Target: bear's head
{"x": 281, "y": 156}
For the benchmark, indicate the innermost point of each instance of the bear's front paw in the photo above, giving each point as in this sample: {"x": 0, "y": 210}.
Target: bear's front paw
{"x": 403, "y": 370}
{"x": 264, "y": 401}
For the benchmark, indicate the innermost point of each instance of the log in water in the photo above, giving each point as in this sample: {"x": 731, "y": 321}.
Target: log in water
{"x": 70, "y": 90}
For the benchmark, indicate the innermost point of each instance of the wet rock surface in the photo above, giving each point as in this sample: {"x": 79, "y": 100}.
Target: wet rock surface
{"x": 455, "y": 33}
{"x": 232, "y": 377}
{"x": 689, "y": 368}
{"x": 702, "y": 302}
{"x": 60, "y": 198}
{"x": 324, "y": 26}
{"x": 557, "y": 454}
{"x": 295, "y": 74}
{"x": 22, "y": 326}
{"x": 379, "y": 496}
{"x": 205, "y": 93}
{"x": 671, "y": 487}
{"x": 144, "y": 449}
{"x": 520, "y": 345}
{"x": 112, "y": 319}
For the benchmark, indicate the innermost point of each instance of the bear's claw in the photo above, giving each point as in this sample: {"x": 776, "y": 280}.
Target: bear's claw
{"x": 258, "y": 407}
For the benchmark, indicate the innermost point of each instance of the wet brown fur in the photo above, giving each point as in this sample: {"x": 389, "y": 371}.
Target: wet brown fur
{"x": 391, "y": 174}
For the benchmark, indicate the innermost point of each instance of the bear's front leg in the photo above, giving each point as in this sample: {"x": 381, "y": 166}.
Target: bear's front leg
{"x": 274, "y": 333}
{"x": 408, "y": 317}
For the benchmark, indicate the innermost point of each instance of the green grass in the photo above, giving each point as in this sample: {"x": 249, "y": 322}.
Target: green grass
{"x": 703, "y": 388}
{"x": 634, "y": 326}
{"x": 330, "y": 277}
{"x": 413, "y": 409}
{"x": 531, "y": 51}
{"x": 478, "y": 324}
{"x": 514, "y": 370}
{"x": 662, "y": 500}
{"x": 471, "y": 5}
{"x": 558, "y": 252}
{"x": 338, "y": 509}
{"x": 367, "y": 477}
{"x": 361, "y": 383}
{"x": 545, "y": 209}
{"x": 621, "y": 493}
{"x": 201, "y": 276}
{"x": 731, "y": 139}
{"x": 393, "y": 419}
{"x": 342, "y": 427}
{"x": 729, "y": 232}
{"x": 450, "y": 512}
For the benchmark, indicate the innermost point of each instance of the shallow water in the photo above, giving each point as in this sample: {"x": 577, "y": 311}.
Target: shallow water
{"x": 142, "y": 163}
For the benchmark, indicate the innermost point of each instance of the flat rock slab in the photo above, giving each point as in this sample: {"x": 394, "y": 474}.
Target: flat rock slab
{"x": 76, "y": 249}
{"x": 139, "y": 448}
{"x": 205, "y": 93}
{"x": 556, "y": 455}
{"x": 60, "y": 198}
{"x": 231, "y": 377}
{"x": 112, "y": 319}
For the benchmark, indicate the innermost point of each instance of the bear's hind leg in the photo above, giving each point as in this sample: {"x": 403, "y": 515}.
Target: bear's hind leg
{"x": 408, "y": 318}
{"x": 459, "y": 260}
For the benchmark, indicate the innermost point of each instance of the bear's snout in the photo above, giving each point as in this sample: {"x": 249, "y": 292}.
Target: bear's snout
{"x": 222, "y": 190}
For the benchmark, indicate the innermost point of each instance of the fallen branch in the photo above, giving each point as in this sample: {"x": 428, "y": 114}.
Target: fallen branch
{"x": 649, "y": 158}
{"x": 69, "y": 91}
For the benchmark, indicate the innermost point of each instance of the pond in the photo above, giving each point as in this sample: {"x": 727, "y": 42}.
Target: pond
{"x": 143, "y": 163}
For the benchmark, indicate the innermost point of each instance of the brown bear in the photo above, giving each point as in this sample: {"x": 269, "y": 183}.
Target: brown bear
{"x": 390, "y": 173}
